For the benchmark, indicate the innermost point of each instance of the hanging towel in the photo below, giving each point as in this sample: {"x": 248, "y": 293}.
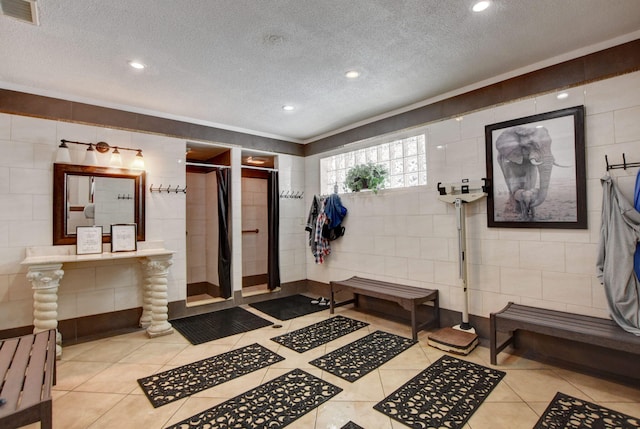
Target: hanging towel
{"x": 619, "y": 236}
{"x": 636, "y": 204}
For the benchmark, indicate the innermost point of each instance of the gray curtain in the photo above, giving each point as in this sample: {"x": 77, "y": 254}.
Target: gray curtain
{"x": 224, "y": 246}
{"x": 273, "y": 220}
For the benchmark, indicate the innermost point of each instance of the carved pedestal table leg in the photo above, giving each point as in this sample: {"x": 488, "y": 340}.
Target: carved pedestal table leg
{"x": 155, "y": 295}
{"x": 45, "y": 280}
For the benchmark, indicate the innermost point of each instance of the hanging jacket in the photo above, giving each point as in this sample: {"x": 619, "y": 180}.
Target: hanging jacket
{"x": 619, "y": 235}
{"x": 636, "y": 204}
{"x": 334, "y": 210}
{"x": 312, "y": 218}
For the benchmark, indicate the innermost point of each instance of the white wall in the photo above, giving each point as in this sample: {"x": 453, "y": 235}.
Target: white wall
{"x": 408, "y": 236}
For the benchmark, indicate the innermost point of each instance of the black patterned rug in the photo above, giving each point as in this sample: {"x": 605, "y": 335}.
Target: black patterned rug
{"x": 362, "y": 356}
{"x": 567, "y": 412}
{"x": 218, "y": 324}
{"x": 289, "y": 307}
{"x": 274, "y": 404}
{"x": 177, "y": 383}
{"x": 320, "y": 333}
{"x": 445, "y": 394}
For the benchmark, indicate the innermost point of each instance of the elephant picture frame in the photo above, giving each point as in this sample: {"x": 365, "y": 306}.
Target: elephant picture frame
{"x": 536, "y": 171}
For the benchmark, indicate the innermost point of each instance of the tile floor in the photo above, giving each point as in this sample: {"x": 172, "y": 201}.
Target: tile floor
{"x": 97, "y": 385}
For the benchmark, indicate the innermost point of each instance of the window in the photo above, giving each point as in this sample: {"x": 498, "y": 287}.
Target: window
{"x": 405, "y": 159}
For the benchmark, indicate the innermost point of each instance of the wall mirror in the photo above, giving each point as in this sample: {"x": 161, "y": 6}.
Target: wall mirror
{"x": 96, "y": 196}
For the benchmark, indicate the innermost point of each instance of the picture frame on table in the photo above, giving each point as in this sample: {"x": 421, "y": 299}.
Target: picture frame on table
{"x": 88, "y": 240}
{"x": 124, "y": 237}
{"x": 536, "y": 171}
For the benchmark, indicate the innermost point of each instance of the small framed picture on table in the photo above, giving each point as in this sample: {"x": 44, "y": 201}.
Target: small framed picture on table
{"x": 123, "y": 237}
{"x": 88, "y": 240}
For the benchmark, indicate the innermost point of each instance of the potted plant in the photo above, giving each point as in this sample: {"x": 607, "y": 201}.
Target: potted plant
{"x": 366, "y": 176}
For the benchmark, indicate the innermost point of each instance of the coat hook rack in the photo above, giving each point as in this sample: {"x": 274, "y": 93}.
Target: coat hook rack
{"x": 168, "y": 189}
{"x": 291, "y": 194}
{"x": 624, "y": 164}
{"x": 125, "y": 197}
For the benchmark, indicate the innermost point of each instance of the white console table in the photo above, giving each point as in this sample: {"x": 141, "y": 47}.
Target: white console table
{"x": 45, "y": 272}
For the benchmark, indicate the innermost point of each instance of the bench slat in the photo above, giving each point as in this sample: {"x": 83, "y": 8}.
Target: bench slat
{"x": 15, "y": 375}
{"x": 401, "y": 291}
{"x": 33, "y": 383}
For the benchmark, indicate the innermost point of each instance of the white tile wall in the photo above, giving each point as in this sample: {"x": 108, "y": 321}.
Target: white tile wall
{"x": 551, "y": 268}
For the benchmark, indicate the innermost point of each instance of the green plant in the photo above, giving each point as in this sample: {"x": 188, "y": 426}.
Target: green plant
{"x": 366, "y": 176}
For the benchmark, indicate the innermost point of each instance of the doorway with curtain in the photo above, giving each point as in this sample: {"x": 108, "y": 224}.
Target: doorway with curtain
{"x": 260, "y": 225}
{"x": 208, "y": 182}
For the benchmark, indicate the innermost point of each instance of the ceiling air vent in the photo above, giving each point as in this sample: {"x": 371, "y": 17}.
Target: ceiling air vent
{"x": 24, "y": 10}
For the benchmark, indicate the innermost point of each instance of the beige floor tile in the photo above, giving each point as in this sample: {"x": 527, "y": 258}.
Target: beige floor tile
{"x": 118, "y": 378}
{"x": 394, "y": 378}
{"x": 504, "y": 415}
{"x": 540, "y": 385}
{"x": 78, "y": 410}
{"x": 109, "y": 351}
{"x": 337, "y": 413}
{"x": 154, "y": 353}
{"x": 412, "y": 358}
{"x": 600, "y": 389}
{"x": 71, "y": 374}
{"x": 135, "y": 412}
{"x": 367, "y": 388}
{"x": 196, "y": 353}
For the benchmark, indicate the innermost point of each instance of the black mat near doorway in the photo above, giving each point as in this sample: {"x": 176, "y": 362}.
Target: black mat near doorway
{"x": 218, "y": 324}
{"x": 565, "y": 411}
{"x": 289, "y": 307}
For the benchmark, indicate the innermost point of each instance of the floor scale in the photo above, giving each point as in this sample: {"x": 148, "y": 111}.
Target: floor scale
{"x": 462, "y": 338}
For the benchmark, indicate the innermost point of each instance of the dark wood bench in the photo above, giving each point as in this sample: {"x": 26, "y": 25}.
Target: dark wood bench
{"x": 27, "y": 372}
{"x": 586, "y": 329}
{"x": 408, "y": 297}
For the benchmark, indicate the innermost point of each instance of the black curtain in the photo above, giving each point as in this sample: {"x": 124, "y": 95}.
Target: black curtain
{"x": 224, "y": 247}
{"x": 273, "y": 220}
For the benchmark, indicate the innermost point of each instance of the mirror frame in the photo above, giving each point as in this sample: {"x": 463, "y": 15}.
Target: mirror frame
{"x": 60, "y": 173}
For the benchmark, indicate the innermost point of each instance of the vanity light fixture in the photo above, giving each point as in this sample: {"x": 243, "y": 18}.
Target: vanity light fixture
{"x": 63, "y": 155}
{"x": 90, "y": 157}
{"x": 116, "y": 159}
{"x": 138, "y": 162}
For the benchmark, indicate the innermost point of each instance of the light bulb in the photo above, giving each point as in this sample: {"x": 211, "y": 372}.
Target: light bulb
{"x": 90, "y": 157}
{"x": 138, "y": 162}
{"x": 116, "y": 159}
{"x": 62, "y": 155}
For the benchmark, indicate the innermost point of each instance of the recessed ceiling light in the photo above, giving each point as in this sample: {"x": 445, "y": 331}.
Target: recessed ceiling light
{"x": 562, "y": 95}
{"x": 288, "y": 107}
{"x": 480, "y": 6}
{"x": 352, "y": 74}
{"x": 459, "y": 118}
{"x": 136, "y": 65}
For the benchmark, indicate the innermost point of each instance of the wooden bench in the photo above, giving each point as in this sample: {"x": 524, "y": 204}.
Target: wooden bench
{"x": 27, "y": 372}
{"x": 408, "y": 297}
{"x": 586, "y": 329}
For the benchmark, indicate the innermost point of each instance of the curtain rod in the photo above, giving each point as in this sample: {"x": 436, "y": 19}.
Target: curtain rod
{"x": 198, "y": 164}
{"x": 259, "y": 168}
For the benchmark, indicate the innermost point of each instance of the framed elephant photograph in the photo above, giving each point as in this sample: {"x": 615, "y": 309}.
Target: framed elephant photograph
{"x": 536, "y": 169}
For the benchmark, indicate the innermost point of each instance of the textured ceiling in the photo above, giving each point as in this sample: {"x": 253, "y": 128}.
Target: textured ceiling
{"x": 235, "y": 63}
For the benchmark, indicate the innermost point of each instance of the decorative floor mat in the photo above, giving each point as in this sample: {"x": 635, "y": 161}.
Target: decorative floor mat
{"x": 320, "y": 333}
{"x": 218, "y": 324}
{"x": 362, "y": 356}
{"x": 445, "y": 394}
{"x": 177, "y": 383}
{"x": 289, "y": 307}
{"x": 351, "y": 425}
{"x": 274, "y": 404}
{"x": 565, "y": 411}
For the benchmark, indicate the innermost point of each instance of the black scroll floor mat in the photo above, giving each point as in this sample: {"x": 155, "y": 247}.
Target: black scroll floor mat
{"x": 445, "y": 394}
{"x": 274, "y": 404}
{"x": 362, "y": 356}
{"x": 351, "y": 425}
{"x": 218, "y": 324}
{"x": 180, "y": 382}
{"x": 320, "y": 333}
{"x": 565, "y": 411}
{"x": 289, "y": 307}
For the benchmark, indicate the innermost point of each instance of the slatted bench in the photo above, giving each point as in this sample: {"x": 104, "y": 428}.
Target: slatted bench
{"x": 27, "y": 372}
{"x": 586, "y": 329}
{"x": 408, "y": 297}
